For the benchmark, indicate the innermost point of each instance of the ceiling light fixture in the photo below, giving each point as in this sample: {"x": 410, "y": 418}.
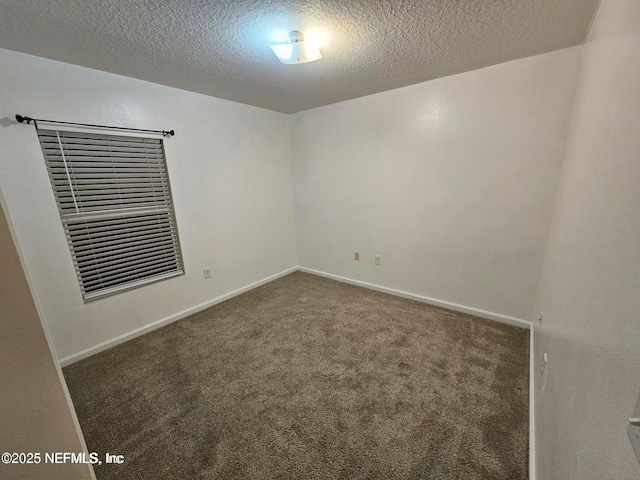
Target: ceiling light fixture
{"x": 298, "y": 50}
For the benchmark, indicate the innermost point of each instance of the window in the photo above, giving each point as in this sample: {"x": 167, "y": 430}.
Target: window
{"x": 114, "y": 200}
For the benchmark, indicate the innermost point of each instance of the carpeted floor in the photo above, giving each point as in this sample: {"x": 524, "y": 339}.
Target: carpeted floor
{"x": 308, "y": 378}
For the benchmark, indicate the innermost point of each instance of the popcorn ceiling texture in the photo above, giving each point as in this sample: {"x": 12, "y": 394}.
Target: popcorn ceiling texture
{"x": 221, "y": 48}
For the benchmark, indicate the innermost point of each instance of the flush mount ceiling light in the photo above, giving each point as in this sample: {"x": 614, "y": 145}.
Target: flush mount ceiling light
{"x": 298, "y": 50}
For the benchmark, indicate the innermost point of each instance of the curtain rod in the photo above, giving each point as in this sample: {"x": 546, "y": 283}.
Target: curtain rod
{"x": 22, "y": 119}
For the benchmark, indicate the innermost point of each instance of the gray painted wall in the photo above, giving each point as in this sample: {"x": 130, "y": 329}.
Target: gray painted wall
{"x": 591, "y": 281}
{"x": 35, "y": 415}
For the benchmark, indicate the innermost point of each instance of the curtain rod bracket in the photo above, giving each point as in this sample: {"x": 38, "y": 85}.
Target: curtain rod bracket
{"x": 22, "y": 119}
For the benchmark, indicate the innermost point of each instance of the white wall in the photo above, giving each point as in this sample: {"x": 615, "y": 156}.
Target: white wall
{"x": 36, "y": 413}
{"x": 591, "y": 284}
{"x": 230, "y": 170}
{"x": 450, "y": 181}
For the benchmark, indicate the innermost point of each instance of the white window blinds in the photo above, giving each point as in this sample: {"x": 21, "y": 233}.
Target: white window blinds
{"x": 115, "y": 203}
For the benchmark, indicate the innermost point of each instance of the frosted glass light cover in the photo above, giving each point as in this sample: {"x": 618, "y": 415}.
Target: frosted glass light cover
{"x": 297, "y": 52}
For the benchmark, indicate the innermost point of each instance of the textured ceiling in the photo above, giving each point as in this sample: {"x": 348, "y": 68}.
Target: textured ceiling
{"x": 221, "y": 48}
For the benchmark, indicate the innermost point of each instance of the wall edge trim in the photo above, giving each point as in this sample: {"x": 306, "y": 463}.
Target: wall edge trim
{"x": 532, "y": 407}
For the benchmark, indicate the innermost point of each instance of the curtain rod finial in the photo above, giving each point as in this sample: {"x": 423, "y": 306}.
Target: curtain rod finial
{"x": 22, "y": 119}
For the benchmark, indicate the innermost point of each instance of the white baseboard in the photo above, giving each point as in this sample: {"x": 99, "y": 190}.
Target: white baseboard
{"x": 165, "y": 321}
{"x": 518, "y": 322}
{"x": 532, "y": 410}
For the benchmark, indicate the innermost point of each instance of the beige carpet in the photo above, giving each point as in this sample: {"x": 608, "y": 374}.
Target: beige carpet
{"x": 308, "y": 378}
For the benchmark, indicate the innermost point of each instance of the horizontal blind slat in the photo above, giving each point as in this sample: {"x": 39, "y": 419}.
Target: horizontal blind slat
{"x": 146, "y": 270}
{"x": 101, "y": 272}
{"x": 96, "y": 238}
{"x": 114, "y": 246}
{"x": 114, "y": 243}
{"x": 87, "y": 183}
{"x": 123, "y": 163}
{"x": 88, "y": 189}
{"x": 95, "y": 231}
{"x": 92, "y": 144}
{"x": 158, "y": 176}
{"x": 153, "y": 157}
{"x": 84, "y": 202}
{"x": 110, "y": 169}
{"x": 74, "y": 218}
{"x": 159, "y": 197}
{"x": 122, "y": 287}
{"x": 89, "y": 258}
{"x": 108, "y": 224}
{"x": 85, "y": 262}
{"x": 48, "y": 134}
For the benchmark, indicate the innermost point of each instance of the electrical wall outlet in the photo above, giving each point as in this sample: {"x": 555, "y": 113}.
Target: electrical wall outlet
{"x": 356, "y": 256}
{"x": 207, "y": 272}
{"x": 377, "y": 260}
